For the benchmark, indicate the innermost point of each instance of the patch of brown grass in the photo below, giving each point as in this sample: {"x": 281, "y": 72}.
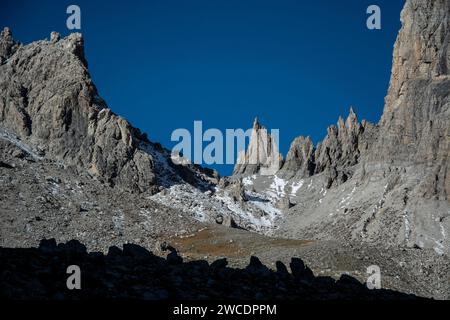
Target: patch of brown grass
{"x": 216, "y": 243}
{"x": 206, "y": 243}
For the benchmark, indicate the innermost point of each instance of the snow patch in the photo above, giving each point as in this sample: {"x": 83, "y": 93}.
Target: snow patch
{"x": 296, "y": 186}
{"x": 18, "y": 143}
{"x": 248, "y": 181}
{"x": 257, "y": 214}
{"x": 278, "y": 185}
{"x": 346, "y": 200}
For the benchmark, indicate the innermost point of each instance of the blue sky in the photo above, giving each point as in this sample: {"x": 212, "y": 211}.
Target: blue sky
{"x": 297, "y": 65}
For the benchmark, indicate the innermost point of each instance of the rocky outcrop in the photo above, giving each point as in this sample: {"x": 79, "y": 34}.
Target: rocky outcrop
{"x": 300, "y": 158}
{"x": 396, "y": 174}
{"x": 284, "y": 203}
{"x": 341, "y": 149}
{"x": 415, "y": 126}
{"x": 262, "y": 155}
{"x": 7, "y": 45}
{"x": 238, "y": 192}
{"x": 340, "y": 146}
{"x": 48, "y": 100}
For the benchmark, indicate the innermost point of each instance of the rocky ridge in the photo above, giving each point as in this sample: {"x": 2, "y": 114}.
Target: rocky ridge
{"x": 386, "y": 182}
{"x": 415, "y": 125}
{"x": 340, "y": 150}
{"x": 262, "y": 155}
{"x": 384, "y": 185}
{"x": 48, "y": 100}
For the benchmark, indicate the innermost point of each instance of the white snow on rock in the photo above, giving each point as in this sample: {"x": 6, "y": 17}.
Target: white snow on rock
{"x": 278, "y": 186}
{"x": 5, "y": 135}
{"x": 346, "y": 200}
{"x": 296, "y": 186}
{"x": 248, "y": 181}
{"x": 257, "y": 214}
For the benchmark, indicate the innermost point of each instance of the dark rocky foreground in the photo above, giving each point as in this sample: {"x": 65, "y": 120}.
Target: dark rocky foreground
{"x": 135, "y": 273}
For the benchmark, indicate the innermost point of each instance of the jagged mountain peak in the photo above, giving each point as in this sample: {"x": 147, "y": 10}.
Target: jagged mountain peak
{"x": 339, "y": 150}
{"x": 49, "y": 102}
{"x": 72, "y": 169}
{"x": 7, "y": 44}
{"x": 352, "y": 119}
{"x": 262, "y": 154}
{"x": 349, "y": 124}
{"x": 415, "y": 125}
{"x": 74, "y": 43}
{"x": 398, "y": 172}
{"x": 256, "y": 124}
{"x": 6, "y": 33}
{"x": 300, "y": 158}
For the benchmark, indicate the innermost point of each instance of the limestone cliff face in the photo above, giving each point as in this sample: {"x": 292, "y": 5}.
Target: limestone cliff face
{"x": 262, "y": 155}
{"x": 415, "y": 126}
{"x": 7, "y": 45}
{"x": 399, "y": 170}
{"x": 388, "y": 184}
{"x": 48, "y": 99}
{"x": 341, "y": 149}
{"x": 300, "y": 158}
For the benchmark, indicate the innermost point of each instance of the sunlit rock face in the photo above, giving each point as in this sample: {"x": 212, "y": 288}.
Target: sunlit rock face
{"x": 262, "y": 155}
{"x": 386, "y": 183}
{"x": 415, "y": 126}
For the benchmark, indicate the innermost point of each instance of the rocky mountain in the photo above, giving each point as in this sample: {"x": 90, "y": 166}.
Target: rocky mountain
{"x": 7, "y": 45}
{"x": 300, "y": 159}
{"x": 415, "y": 126}
{"x": 367, "y": 194}
{"x": 48, "y": 100}
{"x": 262, "y": 155}
{"x": 340, "y": 150}
{"x": 384, "y": 183}
{"x": 50, "y": 109}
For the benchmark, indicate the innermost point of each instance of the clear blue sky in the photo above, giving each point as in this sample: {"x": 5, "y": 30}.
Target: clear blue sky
{"x": 297, "y": 65}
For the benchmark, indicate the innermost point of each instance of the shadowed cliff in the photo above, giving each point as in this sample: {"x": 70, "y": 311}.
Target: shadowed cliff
{"x": 135, "y": 273}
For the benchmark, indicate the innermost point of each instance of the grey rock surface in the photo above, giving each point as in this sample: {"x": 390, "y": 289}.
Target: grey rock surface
{"x": 48, "y": 99}
{"x": 262, "y": 154}
{"x": 300, "y": 158}
{"x": 72, "y": 169}
{"x": 47, "y": 198}
{"x": 7, "y": 45}
{"x": 384, "y": 183}
{"x": 415, "y": 126}
{"x": 341, "y": 149}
